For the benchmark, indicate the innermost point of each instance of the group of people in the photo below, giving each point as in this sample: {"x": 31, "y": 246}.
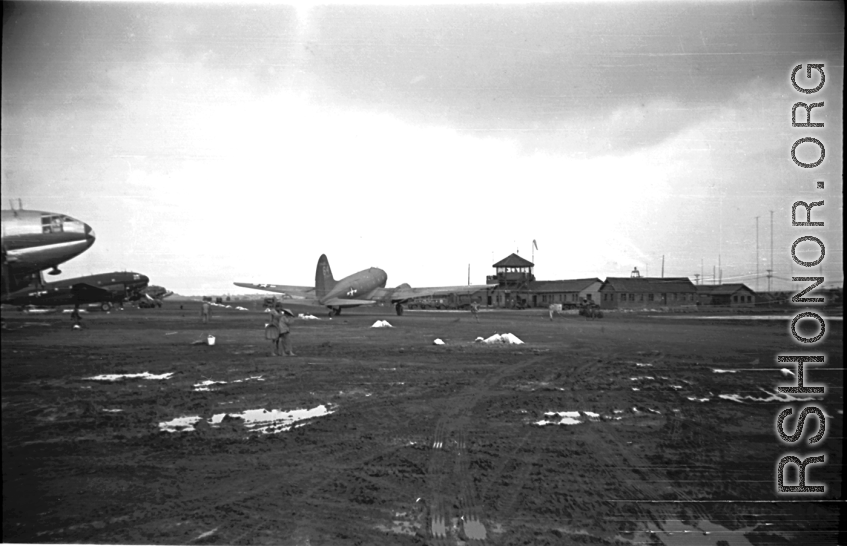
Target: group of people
{"x": 279, "y": 329}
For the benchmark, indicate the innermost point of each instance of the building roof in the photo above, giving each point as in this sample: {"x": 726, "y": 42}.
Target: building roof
{"x": 569, "y": 285}
{"x": 722, "y": 289}
{"x": 513, "y": 260}
{"x": 648, "y": 284}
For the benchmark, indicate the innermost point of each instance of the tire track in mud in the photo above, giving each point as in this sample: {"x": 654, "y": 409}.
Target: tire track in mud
{"x": 452, "y": 493}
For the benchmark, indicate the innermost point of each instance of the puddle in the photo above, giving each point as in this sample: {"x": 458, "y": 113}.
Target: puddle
{"x": 438, "y": 527}
{"x": 118, "y": 377}
{"x": 180, "y": 424}
{"x": 737, "y": 317}
{"x": 703, "y": 533}
{"x": 772, "y": 397}
{"x": 258, "y": 420}
{"x": 473, "y": 528}
{"x": 715, "y": 370}
{"x": 567, "y": 418}
{"x": 112, "y": 410}
{"x": 695, "y": 399}
{"x": 592, "y": 416}
{"x": 204, "y": 385}
{"x": 642, "y": 365}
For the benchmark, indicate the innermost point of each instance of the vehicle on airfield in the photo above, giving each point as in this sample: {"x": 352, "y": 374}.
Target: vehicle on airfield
{"x": 366, "y": 287}
{"x": 34, "y": 241}
{"x": 105, "y": 288}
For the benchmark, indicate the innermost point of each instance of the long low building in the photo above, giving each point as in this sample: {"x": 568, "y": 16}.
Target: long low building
{"x": 569, "y": 292}
{"x": 730, "y": 295}
{"x": 647, "y": 292}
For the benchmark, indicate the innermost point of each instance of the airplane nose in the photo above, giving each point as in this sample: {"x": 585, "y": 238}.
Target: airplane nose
{"x": 89, "y": 234}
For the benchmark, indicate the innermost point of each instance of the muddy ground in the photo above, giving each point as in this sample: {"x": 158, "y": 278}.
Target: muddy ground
{"x": 420, "y": 443}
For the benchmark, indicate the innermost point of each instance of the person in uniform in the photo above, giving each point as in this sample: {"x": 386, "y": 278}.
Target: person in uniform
{"x": 206, "y": 311}
{"x": 475, "y": 310}
{"x": 279, "y": 329}
{"x": 76, "y": 317}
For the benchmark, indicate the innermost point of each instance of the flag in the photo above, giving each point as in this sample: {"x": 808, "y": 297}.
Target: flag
{"x": 535, "y": 244}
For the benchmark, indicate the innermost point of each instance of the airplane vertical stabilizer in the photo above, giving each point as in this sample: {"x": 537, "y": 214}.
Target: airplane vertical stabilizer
{"x": 323, "y": 277}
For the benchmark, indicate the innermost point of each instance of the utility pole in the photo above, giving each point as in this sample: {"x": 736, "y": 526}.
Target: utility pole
{"x": 714, "y": 275}
{"x": 663, "y": 266}
{"x": 720, "y": 270}
{"x": 770, "y": 271}
{"x": 757, "y": 253}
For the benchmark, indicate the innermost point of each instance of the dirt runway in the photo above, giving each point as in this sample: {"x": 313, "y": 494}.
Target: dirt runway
{"x": 625, "y": 430}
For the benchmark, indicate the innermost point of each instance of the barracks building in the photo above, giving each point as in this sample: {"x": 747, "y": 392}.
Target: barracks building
{"x": 517, "y": 287}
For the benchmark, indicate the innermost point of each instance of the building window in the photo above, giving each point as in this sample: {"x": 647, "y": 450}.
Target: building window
{"x": 650, "y": 297}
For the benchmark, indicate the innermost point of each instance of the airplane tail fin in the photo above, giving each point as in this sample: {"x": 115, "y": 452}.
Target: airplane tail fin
{"x": 324, "y": 282}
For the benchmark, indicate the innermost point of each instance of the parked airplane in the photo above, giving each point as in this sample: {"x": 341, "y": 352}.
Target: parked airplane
{"x": 34, "y": 241}
{"x": 105, "y": 288}
{"x": 366, "y": 287}
{"x": 152, "y": 296}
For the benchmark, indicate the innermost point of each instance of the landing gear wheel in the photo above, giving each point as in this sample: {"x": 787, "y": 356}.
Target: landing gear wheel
{"x": 399, "y": 309}
{"x": 105, "y": 306}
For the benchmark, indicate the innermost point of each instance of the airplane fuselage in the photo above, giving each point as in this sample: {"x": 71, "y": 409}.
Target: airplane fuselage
{"x": 118, "y": 287}
{"x": 358, "y": 286}
{"x": 33, "y": 241}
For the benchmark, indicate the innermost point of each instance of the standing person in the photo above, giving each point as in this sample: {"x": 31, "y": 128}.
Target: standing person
{"x": 76, "y": 317}
{"x": 552, "y": 310}
{"x": 280, "y": 328}
{"x": 206, "y": 312}
{"x": 475, "y": 310}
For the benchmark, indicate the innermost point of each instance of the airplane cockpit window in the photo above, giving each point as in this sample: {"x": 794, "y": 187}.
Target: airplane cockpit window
{"x": 52, "y": 224}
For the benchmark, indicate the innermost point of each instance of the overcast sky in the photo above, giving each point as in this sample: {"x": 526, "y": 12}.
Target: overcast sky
{"x": 212, "y": 143}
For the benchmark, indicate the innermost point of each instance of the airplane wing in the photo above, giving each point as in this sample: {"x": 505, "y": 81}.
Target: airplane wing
{"x": 296, "y": 292}
{"x": 407, "y": 293}
{"x": 90, "y": 293}
{"x": 345, "y": 302}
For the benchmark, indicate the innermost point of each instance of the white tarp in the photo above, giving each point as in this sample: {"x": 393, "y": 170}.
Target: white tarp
{"x": 307, "y": 317}
{"x": 503, "y": 338}
{"x": 381, "y": 324}
{"x": 438, "y": 342}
